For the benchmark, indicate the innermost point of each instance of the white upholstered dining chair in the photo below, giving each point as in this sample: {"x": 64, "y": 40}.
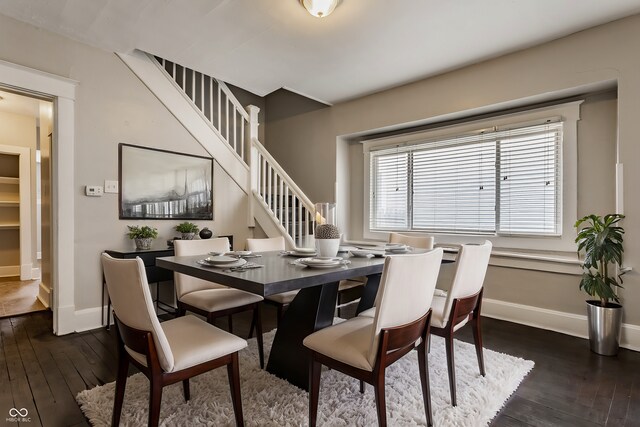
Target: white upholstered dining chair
{"x": 462, "y": 303}
{"x": 363, "y": 347}
{"x": 168, "y": 352}
{"x": 210, "y": 299}
{"x": 281, "y": 300}
{"x": 421, "y": 242}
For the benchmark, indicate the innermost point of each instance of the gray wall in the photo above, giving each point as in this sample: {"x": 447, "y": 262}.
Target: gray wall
{"x": 112, "y": 106}
{"x": 595, "y": 58}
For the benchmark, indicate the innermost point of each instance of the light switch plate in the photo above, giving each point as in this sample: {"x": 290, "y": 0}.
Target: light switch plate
{"x": 111, "y": 186}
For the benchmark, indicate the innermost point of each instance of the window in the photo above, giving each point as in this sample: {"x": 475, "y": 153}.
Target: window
{"x": 503, "y": 181}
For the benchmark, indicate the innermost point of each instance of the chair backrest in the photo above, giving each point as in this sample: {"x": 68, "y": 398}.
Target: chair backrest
{"x": 471, "y": 268}
{"x": 185, "y": 284}
{"x": 422, "y": 242}
{"x": 131, "y": 300}
{"x": 405, "y": 291}
{"x": 265, "y": 245}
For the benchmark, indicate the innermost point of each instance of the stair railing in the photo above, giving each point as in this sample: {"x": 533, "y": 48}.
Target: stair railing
{"x": 289, "y": 207}
{"x": 215, "y": 102}
{"x": 280, "y": 195}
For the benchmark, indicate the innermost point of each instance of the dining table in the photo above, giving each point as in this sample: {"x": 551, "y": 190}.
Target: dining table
{"x": 311, "y": 310}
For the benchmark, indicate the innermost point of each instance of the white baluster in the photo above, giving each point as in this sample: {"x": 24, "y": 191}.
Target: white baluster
{"x": 219, "y": 110}
{"x": 211, "y": 100}
{"x": 299, "y": 222}
{"x": 269, "y": 199}
{"x": 280, "y": 200}
{"x": 286, "y": 208}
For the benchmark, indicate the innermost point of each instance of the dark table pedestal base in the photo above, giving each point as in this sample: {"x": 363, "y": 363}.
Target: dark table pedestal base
{"x": 311, "y": 310}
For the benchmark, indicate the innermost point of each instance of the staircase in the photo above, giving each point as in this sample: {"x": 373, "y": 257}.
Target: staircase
{"x": 207, "y": 108}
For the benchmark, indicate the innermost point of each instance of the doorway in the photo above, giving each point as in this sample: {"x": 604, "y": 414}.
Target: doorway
{"x": 26, "y": 129}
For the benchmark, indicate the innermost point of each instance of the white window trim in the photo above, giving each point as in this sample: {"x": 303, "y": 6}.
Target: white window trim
{"x": 569, "y": 113}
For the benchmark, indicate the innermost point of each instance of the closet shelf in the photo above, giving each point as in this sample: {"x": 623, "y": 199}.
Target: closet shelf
{"x": 9, "y": 180}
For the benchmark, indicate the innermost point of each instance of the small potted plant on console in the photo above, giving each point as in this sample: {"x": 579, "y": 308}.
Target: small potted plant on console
{"x": 142, "y": 235}
{"x": 188, "y": 230}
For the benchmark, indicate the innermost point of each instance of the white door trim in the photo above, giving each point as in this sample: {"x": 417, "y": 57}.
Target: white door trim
{"x": 63, "y": 91}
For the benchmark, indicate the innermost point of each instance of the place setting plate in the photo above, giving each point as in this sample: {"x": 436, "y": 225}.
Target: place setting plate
{"x": 300, "y": 252}
{"x": 366, "y": 253}
{"x": 397, "y": 248}
{"x": 222, "y": 261}
{"x": 321, "y": 262}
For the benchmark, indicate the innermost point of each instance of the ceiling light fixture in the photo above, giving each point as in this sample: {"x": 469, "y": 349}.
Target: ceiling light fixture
{"x": 319, "y": 8}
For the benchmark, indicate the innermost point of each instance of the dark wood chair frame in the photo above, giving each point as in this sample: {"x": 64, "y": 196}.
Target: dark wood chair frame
{"x": 462, "y": 308}
{"x": 142, "y": 342}
{"x": 394, "y": 344}
{"x": 256, "y": 321}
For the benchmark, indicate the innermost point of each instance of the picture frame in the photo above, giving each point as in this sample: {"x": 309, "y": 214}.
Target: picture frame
{"x": 162, "y": 184}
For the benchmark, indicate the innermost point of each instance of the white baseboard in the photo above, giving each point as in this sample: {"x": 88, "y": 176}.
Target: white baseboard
{"x": 35, "y": 273}
{"x": 63, "y": 319}
{"x": 558, "y": 321}
{"x": 89, "y": 318}
{"x": 26, "y": 271}
{"x": 9, "y": 270}
{"x": 44, "y": 295}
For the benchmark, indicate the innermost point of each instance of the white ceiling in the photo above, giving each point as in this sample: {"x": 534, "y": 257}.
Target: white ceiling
{"x": 363, "y": 47}
{"x": 18, "y": 104}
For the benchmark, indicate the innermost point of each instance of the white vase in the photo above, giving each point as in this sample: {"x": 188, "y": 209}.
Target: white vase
{"x": 327, "y": 247}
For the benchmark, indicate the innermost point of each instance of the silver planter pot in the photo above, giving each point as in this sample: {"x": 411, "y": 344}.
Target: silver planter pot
{"x": 604, "y": 327}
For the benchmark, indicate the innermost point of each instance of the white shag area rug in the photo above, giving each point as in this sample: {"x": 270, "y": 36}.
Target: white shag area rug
{"x": 271, "y": 401}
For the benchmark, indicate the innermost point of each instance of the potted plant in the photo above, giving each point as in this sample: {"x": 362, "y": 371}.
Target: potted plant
{"x": 327, "y": 240}
{"x": 600, "y": 239}
{"x": 188, "y": 230}
{"x": 143, "y": 236}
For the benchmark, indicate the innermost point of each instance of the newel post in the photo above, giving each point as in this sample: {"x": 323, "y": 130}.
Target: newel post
{"x": 252, "y": 159}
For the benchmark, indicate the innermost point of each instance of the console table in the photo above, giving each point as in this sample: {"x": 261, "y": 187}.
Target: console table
{"x": 154, "y": 273}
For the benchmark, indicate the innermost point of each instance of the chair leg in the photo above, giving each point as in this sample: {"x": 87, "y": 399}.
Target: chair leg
{"x": 314, "y": 390}
{"x": 423, "y": 365}
{"x": 253, "y": 324}
{"x": 186, "y": 390}
{"x": 121, "y": 385}
{"x": 233, "y": 371}
{"x": 257, "y": 314}
{"x": 155, "y": 398}
{"x": 181, "y": 311}
{"x": 381, "y": 404}
{"x": 230, "y": 317}
{"x": 477, "y": 339}
{"x": 451, "y": 367}
{"x": 361, "y": 386}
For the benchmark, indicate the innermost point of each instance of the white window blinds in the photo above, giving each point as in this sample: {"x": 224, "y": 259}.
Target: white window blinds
{"x": 498, "y": 182}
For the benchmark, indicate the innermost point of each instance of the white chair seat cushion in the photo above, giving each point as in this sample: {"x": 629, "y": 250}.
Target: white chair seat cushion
{"x": 283, "y": 298}
{"x": 219, "y": 299}
{"x": 347, "y": 342}
{"x": 437, "y": 314}
{"x": 368, "y": 313}
{"x": 194, "y": 341}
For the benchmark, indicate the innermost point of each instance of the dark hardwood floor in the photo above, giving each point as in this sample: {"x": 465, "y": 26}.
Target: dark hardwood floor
{"x": 569, "y": 386}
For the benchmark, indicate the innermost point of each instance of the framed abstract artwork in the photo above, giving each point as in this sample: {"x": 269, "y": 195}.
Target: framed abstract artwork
{"x": 161, "y": 184}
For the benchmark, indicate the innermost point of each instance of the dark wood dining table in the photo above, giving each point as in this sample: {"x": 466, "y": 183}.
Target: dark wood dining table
{"x": 312, "y": 309}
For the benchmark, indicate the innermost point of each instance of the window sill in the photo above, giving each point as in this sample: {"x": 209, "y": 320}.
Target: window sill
{"x": 547, "y": 261}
